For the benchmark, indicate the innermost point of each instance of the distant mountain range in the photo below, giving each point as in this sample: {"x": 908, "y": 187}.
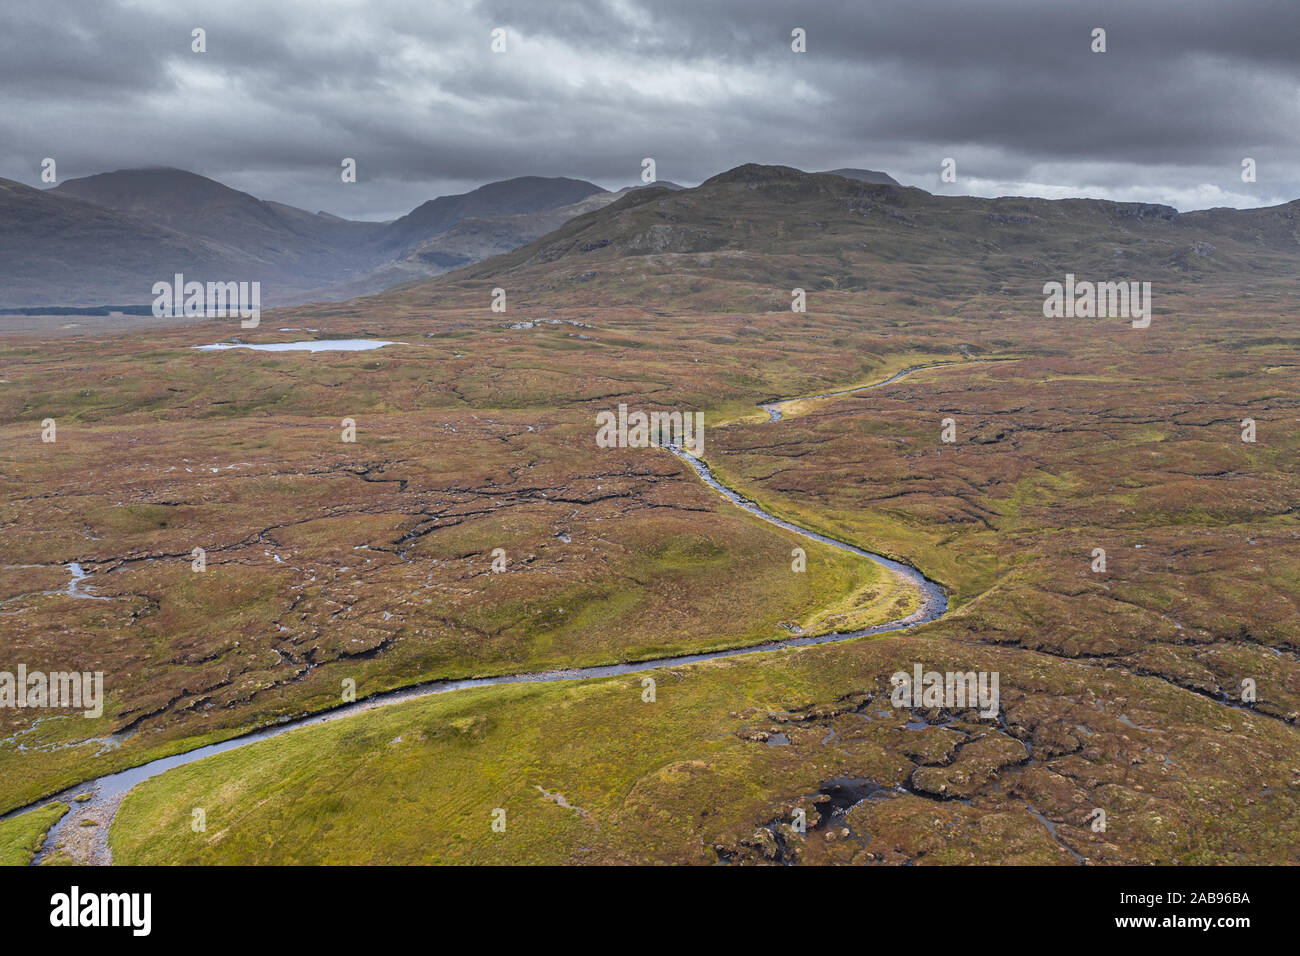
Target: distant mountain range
{"x": 108, "y": 238}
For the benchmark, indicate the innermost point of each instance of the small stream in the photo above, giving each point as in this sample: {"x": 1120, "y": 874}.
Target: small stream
{"x": 107, "y": 791}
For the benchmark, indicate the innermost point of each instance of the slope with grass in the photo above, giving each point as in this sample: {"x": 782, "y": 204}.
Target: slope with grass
{"x": 22, "y": 835}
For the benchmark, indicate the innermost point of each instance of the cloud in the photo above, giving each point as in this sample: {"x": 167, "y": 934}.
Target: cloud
{"x": 413, "y": 91}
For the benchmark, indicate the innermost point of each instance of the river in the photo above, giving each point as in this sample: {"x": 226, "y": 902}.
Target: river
{"x": 107, "y": 791}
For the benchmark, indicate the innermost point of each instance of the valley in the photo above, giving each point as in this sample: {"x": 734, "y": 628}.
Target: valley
{"x": 370, "y": 561}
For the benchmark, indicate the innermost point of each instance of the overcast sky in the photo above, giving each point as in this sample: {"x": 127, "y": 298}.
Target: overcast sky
{"x": 1009, "y": 89}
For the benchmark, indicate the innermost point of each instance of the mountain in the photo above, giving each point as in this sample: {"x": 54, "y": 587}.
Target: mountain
{"x": 190, "y": 203}
{"x": 59, "y": 250}
{"x": 864, "y": 176}
{"x": 775, "y": 224}
{"x": 299, "y": 249}
{"x": 472, "y": 240}
{"x": 107, "y": 238}
{"x": 511, "y": 197}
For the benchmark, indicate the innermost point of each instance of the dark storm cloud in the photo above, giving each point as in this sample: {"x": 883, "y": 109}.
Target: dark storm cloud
{"x": 1010, "y": 90}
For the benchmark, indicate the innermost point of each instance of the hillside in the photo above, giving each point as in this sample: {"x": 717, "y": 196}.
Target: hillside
{"x": 122, "y": 231}
{"x": 863, "y": 175}
{"x": 511, "y": 197}
{"x": 200, "y": 206}
{"x": 819, "y": 230}
{"x": 59, "y": 250}
{"x": 476, "y": 239}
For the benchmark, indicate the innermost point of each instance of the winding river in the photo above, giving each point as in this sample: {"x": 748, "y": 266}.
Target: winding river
{"x": 106, "y": 792}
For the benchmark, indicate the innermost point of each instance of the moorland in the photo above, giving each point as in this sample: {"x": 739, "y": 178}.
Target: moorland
{"x": 1163, "y": 690}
